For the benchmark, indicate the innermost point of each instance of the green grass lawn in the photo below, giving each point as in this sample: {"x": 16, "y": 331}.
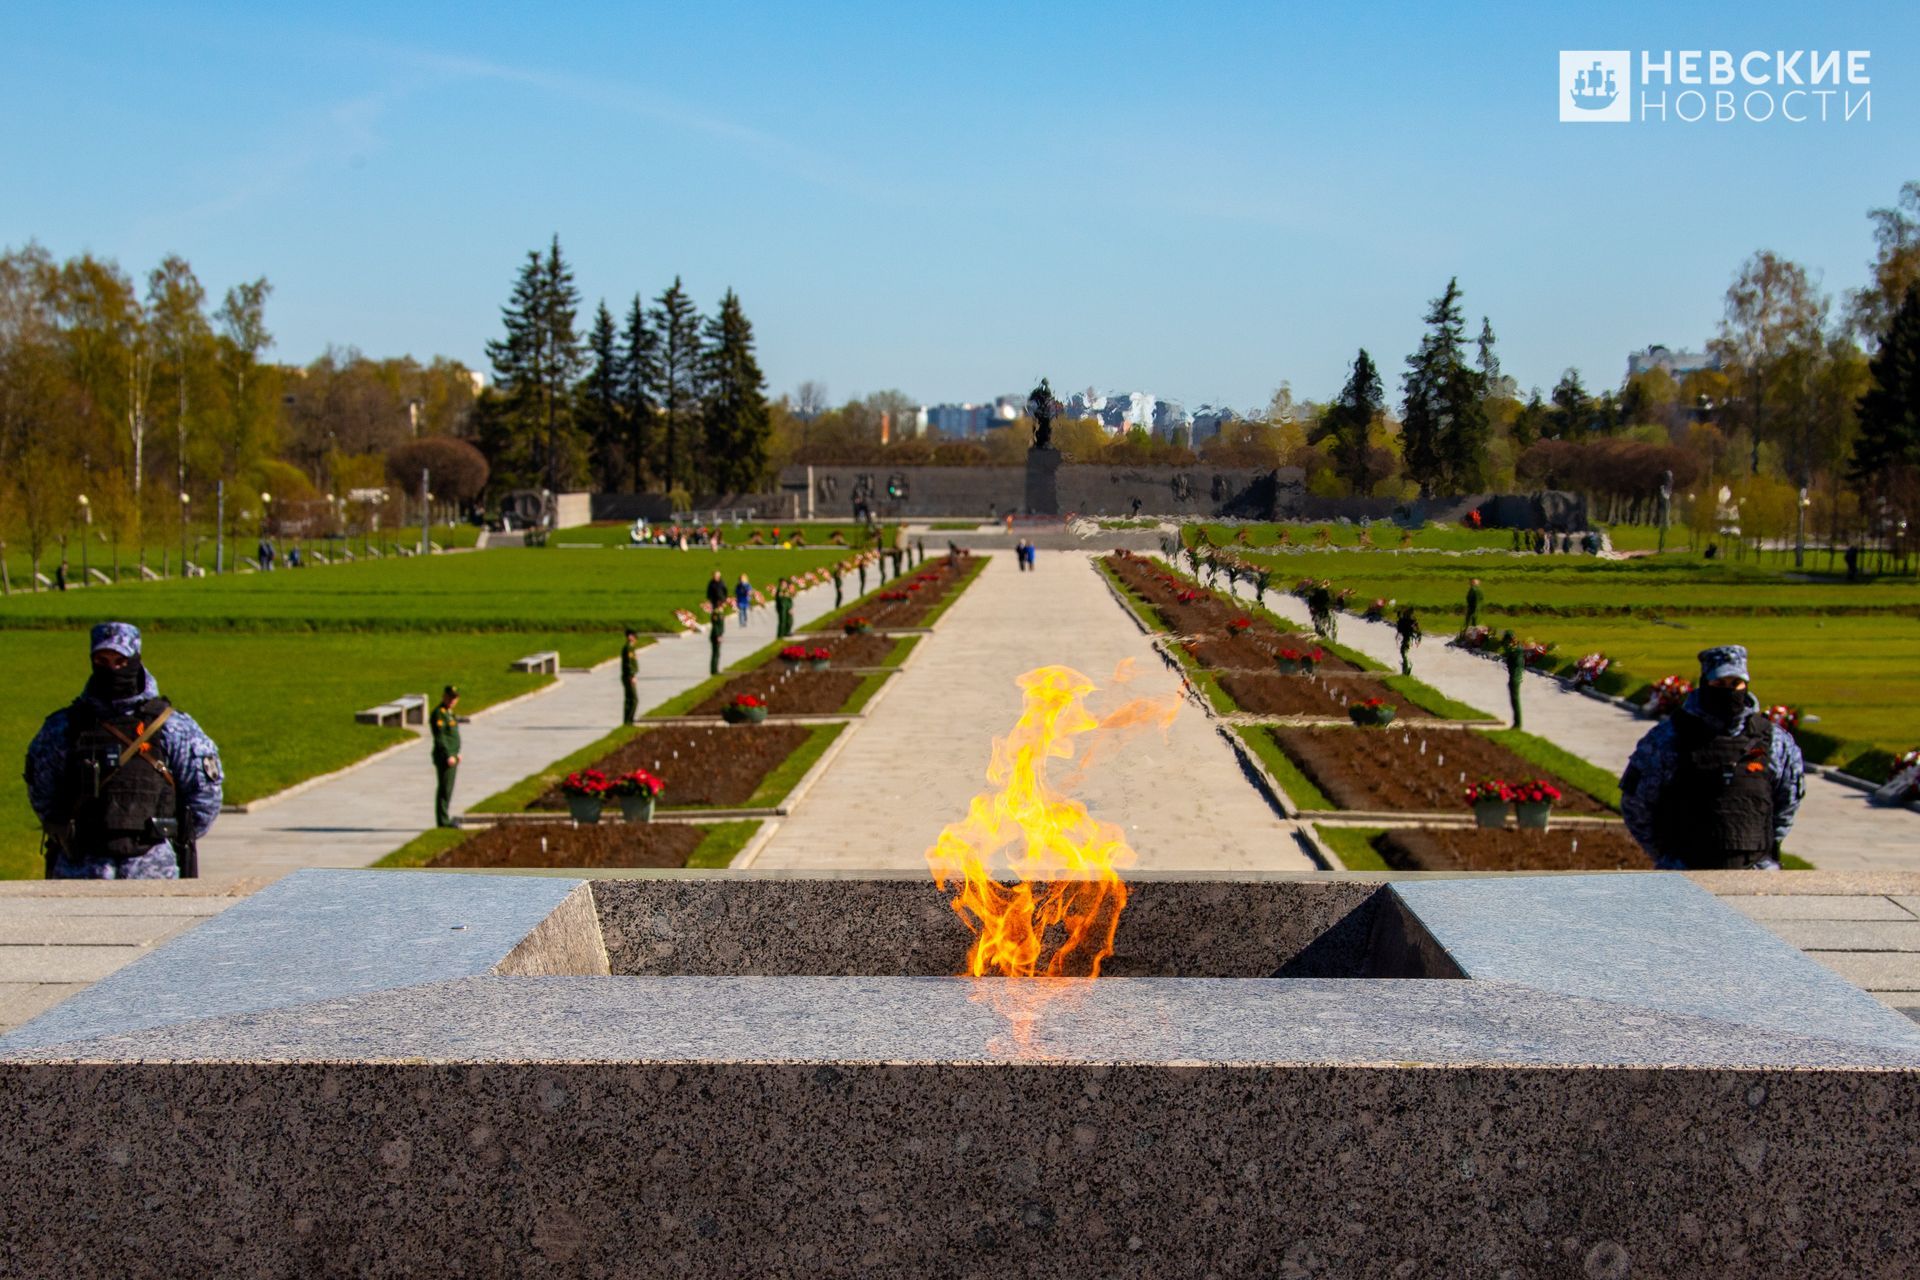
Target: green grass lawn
{"x": 1385, "y": 535}
{"x": 1354, "y": 846}
{"x": 503, "y": 590}
{"x": 1298, "y": 787}
{"x": 280, "y": 706}
{"x": 163, "y": 548}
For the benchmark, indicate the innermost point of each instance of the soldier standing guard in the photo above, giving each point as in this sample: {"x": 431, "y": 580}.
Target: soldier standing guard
{"x": 863, "y": 574}
{"x": 1516, "y": 660}
{"x": 1473, "y": 604}
{"x": 124, "y": 785}
{"x": 630, "y": 675}
{"x": 1407, "y": 627}
{"x": 445, "y": 727}
{"x": 838, "y": 569}
{"x": 715, "y": 629}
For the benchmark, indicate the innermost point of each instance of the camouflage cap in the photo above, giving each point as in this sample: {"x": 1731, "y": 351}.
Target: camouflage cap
{"x": 1723, "y": 660}
{"x": 122, "y": 638}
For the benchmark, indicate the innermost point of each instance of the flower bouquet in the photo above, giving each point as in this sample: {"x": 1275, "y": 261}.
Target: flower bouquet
{"x": 1239, "y": 626}
{"x": 1303, "y": 588}
{"x": 1590, "y": 668}
{"x": 818, "y": 658}
{"x": 744, "y": 709}
{"x": 1786, "y": 717}
{"x": 856, "y": 626}
{"x": 794, "y": 653}
{"x": 1489, "y": 799}
{"x": 1343, "y": 599}
{"x": 636, "y": 792}
{"x": 1534, "y": 654}
{"x": 1297, "y": 662}
{"x": 586, "y": 793}
{"x": 1666, "y": 696}
{"x": 1375, "y": 711}
{"x": 1377, "y": 611}
{"x": 1533, "y": 803}
{"x": 1473, "y": 640}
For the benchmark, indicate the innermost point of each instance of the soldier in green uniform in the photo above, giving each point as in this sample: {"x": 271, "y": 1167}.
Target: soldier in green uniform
{"x": 863, "y": 575}
{"x": 1261, "y": 581}
{"x": 783, "y": 609}
{"x": 630, "y": 675}
{"x": 715, "y": 629}
{"x": 1473, "y": 604}
{"x": 1516, "y": 661}
{"x": 838, "y": 569}
{"x": 1407, "y": 627}
{"x": 446, "y": 755}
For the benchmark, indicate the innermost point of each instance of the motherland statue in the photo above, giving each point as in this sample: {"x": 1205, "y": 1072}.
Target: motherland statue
{"x": 1042, "y": 407}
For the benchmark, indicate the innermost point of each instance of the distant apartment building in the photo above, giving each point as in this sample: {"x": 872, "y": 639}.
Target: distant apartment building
{"x": 1208, "y": 420}
{"x": 1675, "y": 364}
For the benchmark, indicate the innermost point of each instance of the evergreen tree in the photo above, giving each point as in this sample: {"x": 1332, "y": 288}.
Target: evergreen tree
{"x": 1349, "y": 419}
{"x": 1572, "y": 410}
{"x": 534, "y": 367}
{"x": 600, "y": 406}
{"x": 1890, "y": 410}
{"x": 735, "y": 418}
{"x": 639, "y": 375}
{"x": 1444, "y": 428}
{"x": 676, "y": 388}
{"x": 1532, "y": 422}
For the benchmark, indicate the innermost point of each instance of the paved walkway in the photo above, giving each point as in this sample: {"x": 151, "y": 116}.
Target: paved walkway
{"x": 365, "y": 814}
{"x": 916, "y": 761}
{"x": 1837, "y": 829}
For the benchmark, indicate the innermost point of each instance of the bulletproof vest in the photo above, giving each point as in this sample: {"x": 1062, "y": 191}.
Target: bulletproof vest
{"x": 113, "y": 805}
{"x": 1717, "y": 809}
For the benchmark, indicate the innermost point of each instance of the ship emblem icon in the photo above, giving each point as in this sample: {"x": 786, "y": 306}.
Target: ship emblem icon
{"x": 1594, "y": 89}
{"x": 1596, "y": 86}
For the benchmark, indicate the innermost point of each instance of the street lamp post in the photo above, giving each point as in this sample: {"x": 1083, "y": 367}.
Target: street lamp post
{"x": 266, "y": 524}
{"x": 86, "y": 536}
{"x": 185, "y": 498}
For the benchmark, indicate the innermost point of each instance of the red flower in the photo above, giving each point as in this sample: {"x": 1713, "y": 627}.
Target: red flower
{"x": 1239, "y": 624}
{"x": 793, "y": 653}
{"x": 1489, "y": 789}
{"x": 818, "y": 655}
{"x": 1536, "y": 791}
{"x": 747, "y": 701}
{"x": 587, "y": 782}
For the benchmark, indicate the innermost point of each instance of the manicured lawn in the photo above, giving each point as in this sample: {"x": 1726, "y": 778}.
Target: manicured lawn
{"x": 1298, "y": 787}
{"x": 1353, "y": 846}
{"x": 544, "y": 589}
{"x": 280, "y": 706}
{"x": 1385, "y": 535}
{"x": 817, "y": 535}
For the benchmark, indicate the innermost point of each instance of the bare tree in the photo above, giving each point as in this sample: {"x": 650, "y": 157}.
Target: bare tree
{"x": 810, "y": 399}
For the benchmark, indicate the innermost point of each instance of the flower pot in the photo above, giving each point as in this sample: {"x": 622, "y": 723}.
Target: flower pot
{"x": 1532, "y": 815}
{"x": 637, "y": 808}
{"x": 1288, "y": 666}
{"x": 744, "y": 715}
{"x": 820, "y": 664}
{"x": 1370, "y": 715}
{"x": 1490, "y": 813}
{"x": 585, "y": 809}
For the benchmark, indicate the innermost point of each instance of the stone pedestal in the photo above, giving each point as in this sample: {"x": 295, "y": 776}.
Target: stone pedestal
{"x": 1043, "y": 482}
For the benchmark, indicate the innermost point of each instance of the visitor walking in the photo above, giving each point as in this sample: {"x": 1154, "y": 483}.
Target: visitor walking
{"x": 716, "y": 627}
{"x": 1716, "y": 785}
{"x": 743, "y": 597}
{"x": 839, "y": 570}
{"x": 716, "y": 592}
{"x": 1320, "y": 610}
{"x": 1407, "y": 627}
{"x": 445, "y": 728}
{"x": 1516, "y": 659}
{"x": 60, "y": 576}
{"x": 630, "y": 676}
{"x": 123, "y": 784}
{"x": 1473, "y": 604}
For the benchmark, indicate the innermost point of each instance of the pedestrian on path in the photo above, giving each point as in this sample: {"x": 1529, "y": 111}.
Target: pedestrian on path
{"x": 743, "y": 597}
{"x": 1516, "y": 659}
{"x": 1320, "y": 610}
{"x": 716, "y": 627}
{"x": 839, "y": 570}
{"x": 1473, "y": 604}
{"x": 123, "y": 784}
{"x": 716, "y": 592}
{"x": 1717, "y": 784}
{"x": 1260, "y": 583}
{"x": 1407, "y": 627}
{"x": 445, "y": 727}
{"x": 630, "y": 675}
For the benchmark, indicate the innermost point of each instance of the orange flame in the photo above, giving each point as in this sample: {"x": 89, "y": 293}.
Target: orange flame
{"x": 1057, "y": 916}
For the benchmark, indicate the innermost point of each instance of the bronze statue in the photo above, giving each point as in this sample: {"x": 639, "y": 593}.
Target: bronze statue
{"x": 1042, "y": 408}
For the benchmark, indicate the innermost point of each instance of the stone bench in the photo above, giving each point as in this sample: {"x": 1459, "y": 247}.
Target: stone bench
{"x": 409, "y": 709}
{"x": 547, "y": 663}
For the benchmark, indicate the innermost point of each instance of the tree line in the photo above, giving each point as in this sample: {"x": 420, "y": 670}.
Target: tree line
{"x": 660, "y": 399}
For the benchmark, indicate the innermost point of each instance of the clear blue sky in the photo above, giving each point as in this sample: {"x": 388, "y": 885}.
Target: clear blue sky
{"x": 953, "y": 200}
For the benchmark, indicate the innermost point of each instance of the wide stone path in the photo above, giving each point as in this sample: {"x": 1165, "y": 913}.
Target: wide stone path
{"x": 921, "y": 754}
{"x": 1837, "y": 830}
{"x": 364, "y": 814}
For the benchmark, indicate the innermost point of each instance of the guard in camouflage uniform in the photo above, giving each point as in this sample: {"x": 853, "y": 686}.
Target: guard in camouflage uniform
{"x": 1516, "y": 660}
{"x": 124, "y": 785}
{"x": 1717, "y": 785}
{"x": 630, "y": 675}
{"x": 445, "y": 725}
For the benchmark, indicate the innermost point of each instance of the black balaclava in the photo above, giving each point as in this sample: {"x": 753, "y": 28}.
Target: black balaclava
{"x": 106, "y": 685}
{"x": 1722, "y": 703}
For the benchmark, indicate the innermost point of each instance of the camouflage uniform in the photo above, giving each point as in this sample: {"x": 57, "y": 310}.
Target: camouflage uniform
{"x": 1657, "y": 761}
{"x": 185, "y": 748}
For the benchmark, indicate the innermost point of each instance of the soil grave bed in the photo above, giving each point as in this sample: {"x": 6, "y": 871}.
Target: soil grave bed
{"x": 1254, "y": 650}
{"x": 1206, "y": 618}
{"x": 787, "y": 689}
{"x": 1385, "y": 770}
{"x": 633, "y": 844}
{"x": 1276, "y": 695}
{"x": 719, "y": 767}
{"x": 855, "y": 651}
{"x": 1506, "y": 849}
{"x": 924, "y": 588}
